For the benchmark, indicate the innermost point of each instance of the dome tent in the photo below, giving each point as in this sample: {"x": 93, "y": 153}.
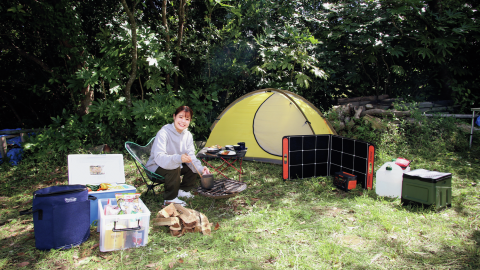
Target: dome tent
{"x": 262, "y": 118}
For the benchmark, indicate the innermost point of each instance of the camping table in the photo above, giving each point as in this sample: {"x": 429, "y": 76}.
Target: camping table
{"x": 473, "y": 123}
{"x": 228, "y": 161}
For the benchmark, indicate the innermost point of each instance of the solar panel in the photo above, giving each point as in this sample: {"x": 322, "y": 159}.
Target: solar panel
{"x": 306, "y": 156}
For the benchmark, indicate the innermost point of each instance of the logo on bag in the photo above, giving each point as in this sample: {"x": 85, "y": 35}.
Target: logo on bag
{"x": 69, "y": 200}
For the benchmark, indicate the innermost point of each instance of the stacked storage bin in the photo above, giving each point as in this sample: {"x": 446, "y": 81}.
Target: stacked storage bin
{"x": 428, "y": 188}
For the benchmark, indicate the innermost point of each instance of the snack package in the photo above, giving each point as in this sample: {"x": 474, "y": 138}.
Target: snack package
{"x": 111, "y": 209}
{"x": 129, "y": 203}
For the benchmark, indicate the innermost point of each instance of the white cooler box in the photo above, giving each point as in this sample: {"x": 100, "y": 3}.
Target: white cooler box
{"x": 122, "y": 231}
{"x": 97, "y": 169}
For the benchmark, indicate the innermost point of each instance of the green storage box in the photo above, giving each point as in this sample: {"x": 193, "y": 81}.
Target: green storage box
{"x": 428, "y": 188}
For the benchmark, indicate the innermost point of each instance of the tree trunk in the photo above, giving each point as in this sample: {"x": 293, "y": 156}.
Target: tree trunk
{"x": 86, "y": 102}
{"x": 167, "y": 35}
{"x": 133, "y": 73}
{"x": 181, "y": 23}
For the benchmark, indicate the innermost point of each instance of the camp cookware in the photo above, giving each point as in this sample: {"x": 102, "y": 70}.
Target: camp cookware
{"x": 207, "y": 181}
{"x": 242, "y": 145}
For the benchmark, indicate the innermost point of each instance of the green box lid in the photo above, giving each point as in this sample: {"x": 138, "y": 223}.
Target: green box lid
{"x": 426, "y": 175}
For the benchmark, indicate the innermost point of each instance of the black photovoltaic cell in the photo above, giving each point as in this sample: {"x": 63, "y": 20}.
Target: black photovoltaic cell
{"x": 296, "y": 144}
{"x": 296, "y": 158}
{"x": 323, "y": 155}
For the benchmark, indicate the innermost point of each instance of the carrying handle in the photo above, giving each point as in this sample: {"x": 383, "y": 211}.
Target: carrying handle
{"x": 92, "y": 198}
{"x": 126, "y": 229}
{"x": 59, "y": 192}
{"x": 29, "y": 211}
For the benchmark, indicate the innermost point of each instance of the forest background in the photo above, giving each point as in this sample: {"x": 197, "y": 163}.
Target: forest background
{"x": 104, "y": 72}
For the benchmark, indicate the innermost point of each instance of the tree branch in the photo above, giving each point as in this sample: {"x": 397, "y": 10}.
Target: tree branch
{"x": 28, "y": 56}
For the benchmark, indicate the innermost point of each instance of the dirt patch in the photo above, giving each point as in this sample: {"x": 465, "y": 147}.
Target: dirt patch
{"x": 328, "y": 211}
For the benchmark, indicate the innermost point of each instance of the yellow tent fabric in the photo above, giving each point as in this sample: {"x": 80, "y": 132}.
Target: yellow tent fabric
{"x": 262, "y": 118}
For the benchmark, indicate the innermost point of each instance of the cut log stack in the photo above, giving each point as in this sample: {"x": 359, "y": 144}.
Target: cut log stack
{"x": 181, "y": 220}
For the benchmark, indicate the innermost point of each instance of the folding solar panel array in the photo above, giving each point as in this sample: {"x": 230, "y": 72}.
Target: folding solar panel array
{"x": 323, "y": 155}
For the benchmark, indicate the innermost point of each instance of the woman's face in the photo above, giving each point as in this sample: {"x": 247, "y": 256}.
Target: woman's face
{"x": 181, "y": 121}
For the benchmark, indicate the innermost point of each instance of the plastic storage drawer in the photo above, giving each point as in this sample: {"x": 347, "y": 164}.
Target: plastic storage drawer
{"x": 427, "y": 187}
{"x": 122, "y": 231}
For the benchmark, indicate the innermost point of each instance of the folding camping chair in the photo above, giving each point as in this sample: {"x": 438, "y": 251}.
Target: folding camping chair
{"x": 141, "y": 154}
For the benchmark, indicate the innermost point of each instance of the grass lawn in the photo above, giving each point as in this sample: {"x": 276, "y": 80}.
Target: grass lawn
{"x": 300, "y": 224}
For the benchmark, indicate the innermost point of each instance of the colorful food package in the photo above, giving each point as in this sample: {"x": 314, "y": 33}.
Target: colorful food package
{"x": 111, "y": 209}
{"x": 129, "y": 203}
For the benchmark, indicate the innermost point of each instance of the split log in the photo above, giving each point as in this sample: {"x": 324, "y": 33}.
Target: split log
{"x": 176, "y": 233}
{"x": 379, "y": 112}
{"x": 206, "y": 226}
{"x": 166, "y": 221}
{"x": 358, "y": 111}
{"x": 187, "y": 221}
{"x": 168, "y": 211}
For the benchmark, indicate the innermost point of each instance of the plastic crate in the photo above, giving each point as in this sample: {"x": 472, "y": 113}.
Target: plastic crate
{"x": 428, "y": 188}
{"x": 122, "y": 231}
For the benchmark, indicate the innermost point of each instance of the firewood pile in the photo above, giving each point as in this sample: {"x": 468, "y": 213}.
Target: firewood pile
{"x": 182, "y": 220}
{"x": 373, "y": 108}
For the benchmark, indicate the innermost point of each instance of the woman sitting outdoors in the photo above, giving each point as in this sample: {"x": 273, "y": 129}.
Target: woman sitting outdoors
{"x": 173, "y": 155}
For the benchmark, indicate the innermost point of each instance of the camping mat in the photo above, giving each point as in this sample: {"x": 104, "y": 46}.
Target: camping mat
{"x": 224, "y": 188}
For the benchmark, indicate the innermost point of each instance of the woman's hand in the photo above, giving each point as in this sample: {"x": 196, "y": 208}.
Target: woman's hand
{"x": 186, "y": 158}
{"x": 206, "y": 170}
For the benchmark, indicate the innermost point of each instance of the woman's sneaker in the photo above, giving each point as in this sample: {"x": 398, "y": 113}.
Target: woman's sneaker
{"x": 185, "y": 194}
{"x": 176, "y": 200}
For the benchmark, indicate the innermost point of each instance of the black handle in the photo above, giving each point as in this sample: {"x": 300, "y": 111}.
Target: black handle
{"x": 29, "y": 211}
{"x": 92, "y": 198}
{"x": 126, "y": 229}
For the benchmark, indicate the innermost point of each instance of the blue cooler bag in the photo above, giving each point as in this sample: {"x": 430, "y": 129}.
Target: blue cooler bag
{"x": 61, "y": 216}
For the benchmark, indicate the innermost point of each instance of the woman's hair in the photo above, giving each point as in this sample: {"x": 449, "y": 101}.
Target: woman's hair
{"x": 185, "y": 109}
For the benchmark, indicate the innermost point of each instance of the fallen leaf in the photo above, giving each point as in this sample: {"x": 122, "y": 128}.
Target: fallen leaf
{"x": 180, "y": 261}
{"x": 194, "y": 251}
{"x": 84, "y": 260}
{"x": 257, "y": 191}
{"x": 179, "y": 248}
{"x": 171, "y": 264}
{"x": 22, "y": 264}
{"x": 26, "y": 221}
{"x": 164, "y": 250}
{"x": 152, "y": 265}
{"x": 217, "y": 226}
{"x": 108, "y": 258}
{"x": 255, "y": 199}
{"x": 303, "y": 222}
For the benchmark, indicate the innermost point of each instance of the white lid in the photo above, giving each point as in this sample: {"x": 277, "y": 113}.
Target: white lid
{"x": 95, "y": 169}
